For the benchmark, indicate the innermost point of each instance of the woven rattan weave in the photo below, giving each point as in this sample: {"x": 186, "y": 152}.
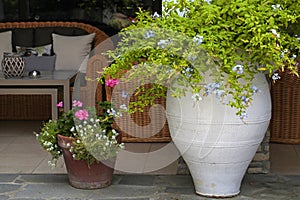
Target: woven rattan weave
{"x": 285, "y": 122}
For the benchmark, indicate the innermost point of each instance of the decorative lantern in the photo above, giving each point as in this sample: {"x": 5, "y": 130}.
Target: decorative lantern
{"x": 13, "y": 65}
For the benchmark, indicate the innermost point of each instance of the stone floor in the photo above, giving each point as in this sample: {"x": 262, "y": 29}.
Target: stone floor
{"x": 142, "y": 187}
{"x": 24, "y": 173}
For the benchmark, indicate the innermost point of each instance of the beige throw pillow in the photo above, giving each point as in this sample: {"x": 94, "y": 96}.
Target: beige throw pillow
{"x": 5, "y": 43}
{"x": 71, "y": 50}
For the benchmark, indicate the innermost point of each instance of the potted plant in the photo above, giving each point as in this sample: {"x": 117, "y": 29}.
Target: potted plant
{"x": 87, "y": 141}
{"x": 210, "y": 59}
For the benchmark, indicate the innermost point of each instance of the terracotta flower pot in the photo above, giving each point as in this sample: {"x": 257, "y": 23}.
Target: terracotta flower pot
{"x": 81, "y": 175}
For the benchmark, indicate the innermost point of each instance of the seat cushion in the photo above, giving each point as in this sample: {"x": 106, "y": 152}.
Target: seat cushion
{"x": 5, "y": 41}
{"x": 71, "y": 51}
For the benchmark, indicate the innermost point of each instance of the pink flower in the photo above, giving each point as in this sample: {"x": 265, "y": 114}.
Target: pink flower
{"x": 111, "y": 82}
{"x": 82, "y": 114}
{"x": 77, "y": 103}
{"x": 60, "y": 104}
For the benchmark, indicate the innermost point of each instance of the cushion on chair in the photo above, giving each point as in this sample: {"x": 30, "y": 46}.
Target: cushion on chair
{"x": 71, "y": 51}
{"x": 5, "y": 41}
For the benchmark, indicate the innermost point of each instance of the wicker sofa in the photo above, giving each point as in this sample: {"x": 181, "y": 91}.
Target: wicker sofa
{"x": 37, "y": 107}
{"x": 33, "y": 34}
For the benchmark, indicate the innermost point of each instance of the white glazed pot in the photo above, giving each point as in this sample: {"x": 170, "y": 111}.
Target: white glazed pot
{"x": 215, "y": 143}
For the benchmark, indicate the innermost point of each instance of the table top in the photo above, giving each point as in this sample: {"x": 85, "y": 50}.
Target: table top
{"x": 47, "y": 77}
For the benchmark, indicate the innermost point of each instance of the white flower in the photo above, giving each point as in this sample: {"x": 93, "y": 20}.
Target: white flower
{"x": 239, "y": 69}
{"x": 274, "y": 32}
{"x": 277, "y": 6}
{"x": 196, "y": 97}
{"x": 123, "y": 107}
{"x": 275, "y": 76}
{"x": 198, "y": 39}
{"x": 155, "y": 15}
{"x": 208, "y": 1}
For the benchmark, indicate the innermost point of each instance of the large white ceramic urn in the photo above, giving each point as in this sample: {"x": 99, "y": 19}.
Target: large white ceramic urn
{"x": 215, "y": 143}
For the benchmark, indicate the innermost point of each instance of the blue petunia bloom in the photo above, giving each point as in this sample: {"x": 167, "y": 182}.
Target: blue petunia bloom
{"x": 239, "y": 69}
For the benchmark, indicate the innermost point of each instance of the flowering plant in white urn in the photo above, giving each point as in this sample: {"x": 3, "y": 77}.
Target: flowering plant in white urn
{"x": 231, "y": 40}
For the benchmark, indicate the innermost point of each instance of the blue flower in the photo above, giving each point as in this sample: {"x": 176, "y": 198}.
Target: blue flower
{"x": 245, "y": 99}
{"x": 123, "y": 107}
{"x": 275, "y": 76}
{"x": 191, "y": 57}
{"x": 243, "y": 115}
{"x": 239, "y": 69}
{"x": 188, "y": 72}
{"x": 124, "y": 94}
{"x": 255, "y": 89}
{"x": 149, "y": 34}
{"x": 219, "y": 93}
{"x": 135, "y": 66}
{"x": 212, "y": 87}
{"x": 283, "y": 53}
{"x": 198, "y": 39}
{"x": 163, "y": 43}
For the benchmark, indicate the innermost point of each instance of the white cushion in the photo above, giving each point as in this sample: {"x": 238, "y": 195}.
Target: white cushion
{"x": 5, "y": 43}
{"x": 71, "y": 50}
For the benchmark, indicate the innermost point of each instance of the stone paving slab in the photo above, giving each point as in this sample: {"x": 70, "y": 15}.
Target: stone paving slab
{"x": 142, "y": 187}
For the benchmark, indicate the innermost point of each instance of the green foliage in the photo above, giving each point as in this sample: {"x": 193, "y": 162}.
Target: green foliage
{"x": 232, "y": 40}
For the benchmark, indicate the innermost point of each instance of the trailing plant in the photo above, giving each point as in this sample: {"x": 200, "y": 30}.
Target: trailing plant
{"x": 230, "y": 40}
